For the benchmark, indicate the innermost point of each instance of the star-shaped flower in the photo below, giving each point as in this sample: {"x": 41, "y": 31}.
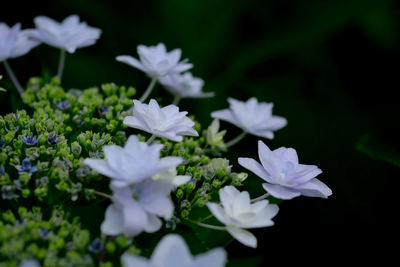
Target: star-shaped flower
{"x": 68, "y": 35}
{"x": 285, "y": 177}
{"x": 252, "y": 117}
{"x": 14, "y": 42}
{"x": 165, "y": 122}
{"x": 155, "y": 61}
{"x": 238, "y": 213}
{"x": 137, "y": 208}
{"x": 133, "y": 163}
{"x": 184, "y": 85}
{"x": 172, "y": 251}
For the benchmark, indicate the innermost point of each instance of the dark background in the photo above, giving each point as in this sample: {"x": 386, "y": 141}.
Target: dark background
{"x": 330, "y": 67}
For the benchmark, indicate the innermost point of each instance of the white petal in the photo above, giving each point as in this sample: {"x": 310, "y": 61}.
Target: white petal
{"x": 314, "y": 188}
{"x": 218, "y": 212}
{"x": 129, "y": 260}
{"x": 213, "y": 258}
{"x": 255, "y": 167}
{"x": 113, "y": 221}
{"x": 181, "y": 179}
{"x": 226, "y": 115}
{"x": 153, "y": 224}
{"x": 243, "y": 236}
{"x": 102, "y": 167}
{"x": 281, "y": 192}
{"x": 171, "y": 251}
{"x": 130, "y": 61}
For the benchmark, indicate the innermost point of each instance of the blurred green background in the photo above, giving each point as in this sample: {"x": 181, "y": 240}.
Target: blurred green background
{"x": 330, "y": 68}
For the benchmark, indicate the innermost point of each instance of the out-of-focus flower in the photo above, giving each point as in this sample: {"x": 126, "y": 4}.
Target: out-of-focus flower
{"x": 68, "y": 35}
{"x": 172, "y": 251}
{"x": 172, "y": 175}
{"x": 155, "y": 61}
{"x": 14, "y": 42}
{"x": 133, "y": 163}
{"x": 184, "y": 85}
{"x": 27, "y": 167}
{"x": 238, "y": 213}
{"x": 29, "y": 140}
{"x": 252, "y": 117}
{"x": 138, "y": 208}
{"x": 165, "y": 122}
{"x": 29, "y": 263}
{"x": 285, "y": 177}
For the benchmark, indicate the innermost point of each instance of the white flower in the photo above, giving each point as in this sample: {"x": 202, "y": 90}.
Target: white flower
{"x": 14, "y": 42}
{"x": 172, "y": 175}
{"x": 285, "y": 177}
{"x": 237, "y": 212}
{"x": 67, "y": 35}
{"x": 155, "y": 61}
{"x": 133, "y": 163}
{"x": 137, "y": 208}
{"x": 172, "y": 251}
{"x": 165, "y": 122}
{"x": 252, "y": 117}
{"x": 29, "y": 263}
{"x": 184, "y": 85}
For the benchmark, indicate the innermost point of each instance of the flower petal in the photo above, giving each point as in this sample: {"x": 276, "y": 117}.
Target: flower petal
{"x": 281, "y": 192}
{"x": 171, "y": 251}
{"x": 243, "y": 236}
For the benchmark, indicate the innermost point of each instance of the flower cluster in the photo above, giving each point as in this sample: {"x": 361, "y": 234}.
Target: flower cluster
{"x": 85, "y": 151}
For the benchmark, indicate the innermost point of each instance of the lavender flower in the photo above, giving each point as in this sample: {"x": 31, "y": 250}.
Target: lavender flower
{"x": 133, "y": 163}
{"x": 285, "y": 177}
{"x": 68, "y": 35}
{"x": 184, "y": 85}
{"x": 14, "y": 42}
{"x": 26, "y": 167}
{"x": 29, "y": 140}
{"x": 252, "y": 117}
{"x": 172, "y": 251}
{"x": 96, "y": 246}
{"x": 237, "y": 212}
{"x": 155, "y": 61}
{"x": 138, "y": 208}
{"x": 53, "y": 139}
{"x": 165, "y": 122}
{"x": 63, "y": 105}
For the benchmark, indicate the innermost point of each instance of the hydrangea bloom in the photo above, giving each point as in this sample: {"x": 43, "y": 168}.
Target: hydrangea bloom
{"x": 68, "y": 35}
{"x": 133, "y": 163}
{"x": 172, "y": 251}
{"x": 237, "y": 212}
{"x": 184, "y": 85}
{"x": 14, "y": 42}
{"x": 252, "y": 117}
{"x": 137, "y": 208}
{"x": 165, "y": 122}
{"x": 155, "y": 61}
{"x": 285, "y": 177}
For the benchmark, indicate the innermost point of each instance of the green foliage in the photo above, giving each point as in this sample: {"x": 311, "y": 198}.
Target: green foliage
{"x": 53, "y": 240}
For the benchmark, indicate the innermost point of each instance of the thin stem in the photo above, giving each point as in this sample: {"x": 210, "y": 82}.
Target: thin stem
{"x": 151, "y": 139}
{"x": 148, "y": 90}
{"x": 209, "y": 226}
{"x": 103, "y": 194}
{"x": 176, "y": 101}
{"x": 260, "y": 198}
{"x": 13, "y": 78}
{"x": 236, "y": 140}
{"x": 61, "y": 64}
{"x": 206, "y": 218}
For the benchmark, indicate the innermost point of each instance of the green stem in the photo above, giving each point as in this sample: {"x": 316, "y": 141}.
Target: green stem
{"x": 151, "y": 139}
{"x": 260, "y": 198}
{"x": 148, "y": 90}
{"x": 209, "y": 226}
{"x": 61, "y": 64}
{"x": 176, "y": 101}
{"x": 103, "y": 194}
{"x": 236, "y": 140}
{"x": 13, "y": 77}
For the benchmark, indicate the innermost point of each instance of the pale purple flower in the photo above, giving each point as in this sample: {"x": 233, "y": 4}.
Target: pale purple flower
{"x": 172, "y": 251}
{"x": 27, "y": 167}
{"x": 155, "y": 61}
{"x": 238, "y": 213}
{"x": 68, "y": 35}
{"x": 165, "y": 122}
{"x": 184, "y": 85}
{"x": 138, "y": 208}
{"x": 133, "y": 163}
{"x": 14, "y": 42}
{"x": 285, "y": 177}
{"x": 252, "y": 117}
{"x": 29, "y": 140}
